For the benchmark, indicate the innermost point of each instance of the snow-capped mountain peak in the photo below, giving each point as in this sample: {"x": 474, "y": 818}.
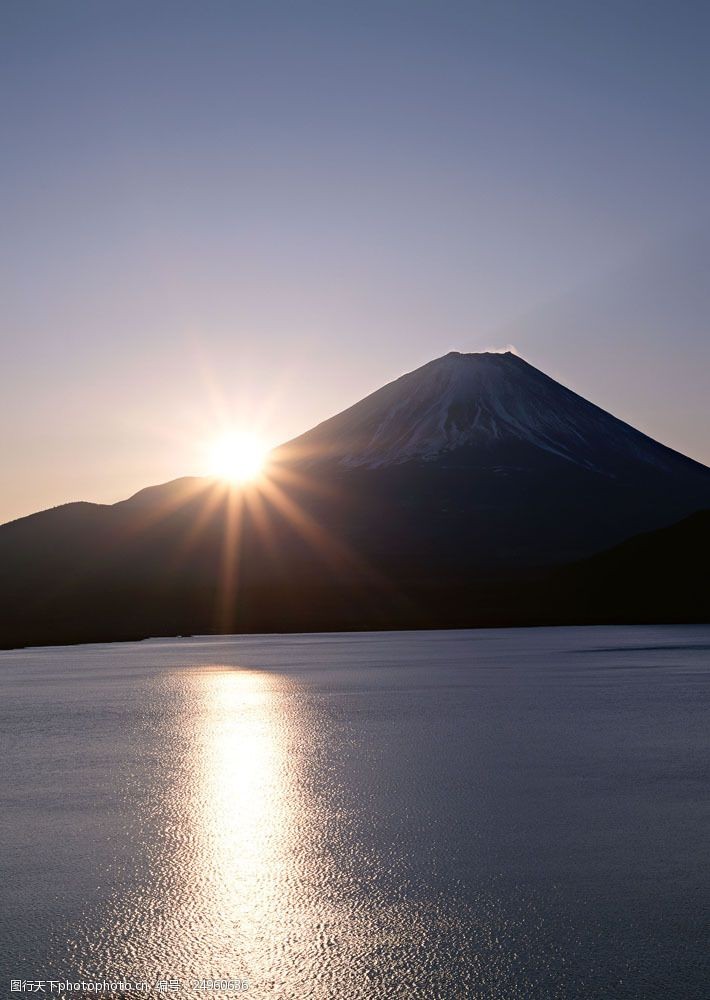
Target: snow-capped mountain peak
{"x": 483, "y": 403}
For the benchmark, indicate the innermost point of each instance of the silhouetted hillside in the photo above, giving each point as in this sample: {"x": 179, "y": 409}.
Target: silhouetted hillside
{"x": 659, "y": 576}
{"x": 449, "y": 497}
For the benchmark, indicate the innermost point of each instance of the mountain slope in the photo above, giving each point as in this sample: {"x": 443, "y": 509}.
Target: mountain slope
{"x": 442, "y": 497}
{"x": 658, "y": 576}
{"x": 490, "y": 402}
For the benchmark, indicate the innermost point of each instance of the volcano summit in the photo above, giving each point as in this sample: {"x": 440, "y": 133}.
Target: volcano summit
{"x": 485, "y": 403}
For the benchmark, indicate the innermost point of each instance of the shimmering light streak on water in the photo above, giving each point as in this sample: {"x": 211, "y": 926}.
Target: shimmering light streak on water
{"x": 215, "y": 893}
{"x": 245, "y": 815}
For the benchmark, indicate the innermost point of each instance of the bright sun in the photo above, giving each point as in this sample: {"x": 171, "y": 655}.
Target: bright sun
{"x": 237, "y": 457}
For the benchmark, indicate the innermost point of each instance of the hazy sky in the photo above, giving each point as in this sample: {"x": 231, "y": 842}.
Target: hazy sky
{"x": 253, "y": 211}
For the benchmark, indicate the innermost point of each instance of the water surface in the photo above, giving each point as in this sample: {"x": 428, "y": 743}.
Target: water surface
{"x": 497, "y": 814}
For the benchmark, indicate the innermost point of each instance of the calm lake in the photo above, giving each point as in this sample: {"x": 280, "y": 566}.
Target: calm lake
{"x": 498, "y": 814}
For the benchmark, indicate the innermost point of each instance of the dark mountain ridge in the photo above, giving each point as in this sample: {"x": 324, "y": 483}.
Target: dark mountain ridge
{"x": 657, "y": 576}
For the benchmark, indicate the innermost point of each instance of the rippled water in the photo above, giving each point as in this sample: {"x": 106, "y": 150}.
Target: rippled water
{"x": 501, "y": 814}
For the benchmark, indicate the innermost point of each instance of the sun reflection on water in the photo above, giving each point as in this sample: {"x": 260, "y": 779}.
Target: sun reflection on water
{"x": 243, "y": 804}
{"x": 203, "y": 894}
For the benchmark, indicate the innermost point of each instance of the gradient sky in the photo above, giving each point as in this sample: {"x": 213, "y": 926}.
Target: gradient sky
{"x": 258, "y": 212}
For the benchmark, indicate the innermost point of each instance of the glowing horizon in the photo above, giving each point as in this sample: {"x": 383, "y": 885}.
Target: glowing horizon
{"x": 237, "y": 216}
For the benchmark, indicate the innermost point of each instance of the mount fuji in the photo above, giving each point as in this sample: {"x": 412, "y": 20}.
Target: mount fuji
{"x": 484, "y": 403}
{"x": 486, "y": 462}
{"x": 453, "y": 495}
